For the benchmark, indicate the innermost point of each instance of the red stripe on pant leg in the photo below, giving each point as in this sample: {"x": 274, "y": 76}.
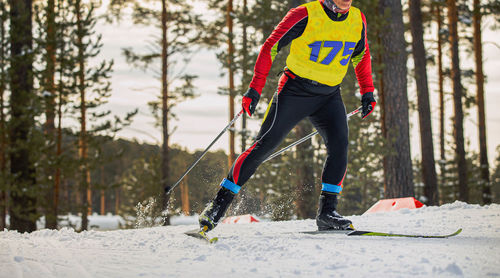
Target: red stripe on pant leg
{"x": 239, "y": 162}
{"x": 281, "y": 83}
{"x": 340, "y": 184}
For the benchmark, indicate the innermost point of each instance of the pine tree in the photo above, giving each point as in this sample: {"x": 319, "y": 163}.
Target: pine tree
{"x": 437, "y": 6}
{"x": 24, "y": 187}
{"x": 52, "y": 57}
{"x": 483, "y": 150}
{"x": 50, "y": 89}
{"x": 65, "y": 161}
{"x": 245, "y": 66}
{"x": 427, "y": 148}
{"x": 164, "y": 108}
{"x": 458, "y": 132}
{"x": 230, "y": 64}
{"x": 180, "y": 29}
{"x": 45, "y": 49}
{"x": 85, "y": 191}
{"x": 93, "y": 86}
{"x": 398, "y": 171}
{"x": 3, "y": 127}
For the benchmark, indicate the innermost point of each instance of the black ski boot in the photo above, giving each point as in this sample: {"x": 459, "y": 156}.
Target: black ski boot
{"x": 216, "y": 209}
{"x": 328, "y": 218}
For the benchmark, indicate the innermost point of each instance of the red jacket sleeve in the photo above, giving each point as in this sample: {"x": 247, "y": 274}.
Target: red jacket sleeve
{"x": 268, "y": 50}
{"x": 364, "y": 68}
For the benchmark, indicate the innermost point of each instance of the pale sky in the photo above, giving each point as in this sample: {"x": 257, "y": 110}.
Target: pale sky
{"x": 202, "y": 118}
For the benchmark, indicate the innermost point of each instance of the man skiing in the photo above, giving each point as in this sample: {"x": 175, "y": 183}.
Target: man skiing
{"x": 324, "y": 35}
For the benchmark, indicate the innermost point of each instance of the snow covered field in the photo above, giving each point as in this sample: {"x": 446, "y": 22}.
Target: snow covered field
{"x": 269, "y": 249}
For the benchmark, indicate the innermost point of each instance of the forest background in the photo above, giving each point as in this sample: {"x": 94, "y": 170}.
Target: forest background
{"x": 104, "y": 104}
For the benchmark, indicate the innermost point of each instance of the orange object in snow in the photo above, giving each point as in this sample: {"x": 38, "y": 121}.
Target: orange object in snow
{"x": 241, "y": 219}
{"x": 395, "y": 204}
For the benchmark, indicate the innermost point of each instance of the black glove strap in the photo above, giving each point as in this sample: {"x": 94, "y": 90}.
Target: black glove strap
{"x": 253, "y": 94}
{"x": 367, "y": 97}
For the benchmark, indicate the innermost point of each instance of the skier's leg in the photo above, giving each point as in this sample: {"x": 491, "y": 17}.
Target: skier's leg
{"x": 281, "y": 117}
{"x": 331, "y": 123}
{"x": 286, "y": 109}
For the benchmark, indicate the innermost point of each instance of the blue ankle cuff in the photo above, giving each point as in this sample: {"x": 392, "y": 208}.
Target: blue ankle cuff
{"x": 331, "y": 188}
{"x": 230, "y": 185}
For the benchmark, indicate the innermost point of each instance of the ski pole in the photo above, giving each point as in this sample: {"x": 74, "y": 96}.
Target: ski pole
{"x": 205, "y": 151}
{"x": 306, "y": 138}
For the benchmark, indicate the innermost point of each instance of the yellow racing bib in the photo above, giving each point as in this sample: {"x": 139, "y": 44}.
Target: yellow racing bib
{"x": 325, "y": 48}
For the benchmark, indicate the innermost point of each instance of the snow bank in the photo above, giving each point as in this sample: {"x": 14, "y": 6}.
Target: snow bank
{"x": 96, "y": 222}
{"x": 269, "y": 249}
{"x": 184, "y": 220}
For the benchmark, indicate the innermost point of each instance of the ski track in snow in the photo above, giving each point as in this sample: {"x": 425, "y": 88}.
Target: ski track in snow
{"x": 269, "y": 249}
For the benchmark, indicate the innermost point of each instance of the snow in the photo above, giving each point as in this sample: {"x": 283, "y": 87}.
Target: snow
{"x": 269, "y": 249}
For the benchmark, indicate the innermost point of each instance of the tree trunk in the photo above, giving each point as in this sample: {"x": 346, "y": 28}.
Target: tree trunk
{"x": 60, "y": 103}
{"x": 164, "y": 91}
{"x": 3, "y": 130}
{"x": 185, "y": 196}
{"x": 50, "y": 97}
{"x": 398, "y": 170}
{"x": 102, "y": 192}
{"x": 103, "y": 201}
{"x": 441, "y": 97}
{"x": 305, "y": 200}
{"x": 381, "y": 101}
{"x": 424, "y": 112}
{"x": 245, "y": 76}
{"x": 458, "y": 119}
{"x": 483, "y": 151}
{"x": 229, "y": 20}
{"x": 57, "y": 176}
{"x": 117, "y": 201}
{"x": 23, "y": 193}
{"x": 83, "y": 148}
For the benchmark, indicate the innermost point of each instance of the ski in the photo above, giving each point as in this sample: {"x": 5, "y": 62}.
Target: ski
{"x": 201, "y": 234}
{"x": 368, "y": 233}
{"x": 342, "y": 232}
{"x": 381, "y": 234}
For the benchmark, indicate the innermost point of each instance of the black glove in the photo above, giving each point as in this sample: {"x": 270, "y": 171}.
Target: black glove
{"x": 250, "y": 101}
{"x": 368, "y": 102}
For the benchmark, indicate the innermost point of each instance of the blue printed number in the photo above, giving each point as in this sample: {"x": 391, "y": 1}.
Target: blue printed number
{"x": 315, "y": 48}
{"x": 348, "y": 50}
{"x": 336, "y": 46}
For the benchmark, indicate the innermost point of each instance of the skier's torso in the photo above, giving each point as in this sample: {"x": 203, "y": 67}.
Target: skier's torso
{"x": 313, "y": 29}
{"x": 323, "y": 51}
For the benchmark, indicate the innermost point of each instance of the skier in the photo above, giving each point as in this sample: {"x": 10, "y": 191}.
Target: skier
{"x": 324, "y": 36}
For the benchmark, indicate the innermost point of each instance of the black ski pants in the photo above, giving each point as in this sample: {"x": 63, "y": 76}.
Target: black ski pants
{"x": 294, "y": 100}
